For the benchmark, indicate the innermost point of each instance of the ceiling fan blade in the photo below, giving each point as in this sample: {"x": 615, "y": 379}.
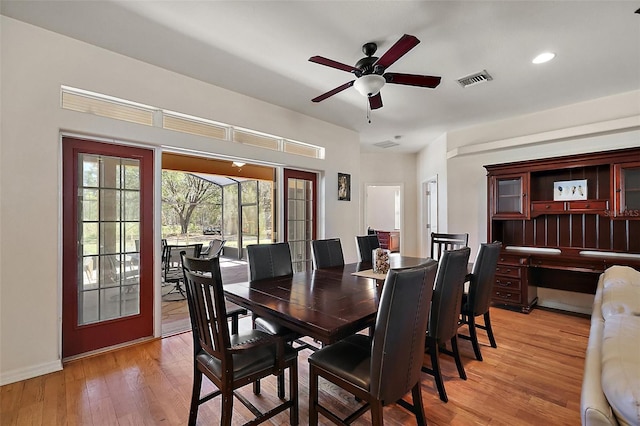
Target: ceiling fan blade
{"x": 402, "y": 46}
{"x": 412, "y": 79}
{"x": 333, "y": 92}
{"x": 333, "y": 64}
{"x": 375, "y": 101}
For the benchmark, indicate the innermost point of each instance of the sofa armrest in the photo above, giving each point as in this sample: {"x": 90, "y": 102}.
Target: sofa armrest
{"x": 594, "y": 407}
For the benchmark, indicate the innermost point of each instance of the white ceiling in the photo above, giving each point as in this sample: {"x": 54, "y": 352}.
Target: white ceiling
{"x": 261, "y": 49}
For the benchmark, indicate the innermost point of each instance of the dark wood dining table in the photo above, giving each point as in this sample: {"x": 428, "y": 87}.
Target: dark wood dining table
{"x": 325, "y": 304}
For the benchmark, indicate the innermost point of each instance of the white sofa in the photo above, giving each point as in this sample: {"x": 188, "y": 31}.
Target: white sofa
{"x": 611, "y": 382}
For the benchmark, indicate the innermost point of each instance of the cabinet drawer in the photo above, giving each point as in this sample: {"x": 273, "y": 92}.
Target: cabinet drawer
{"x": 507, "y": 296}
{"x": 507, "y": 283}
{"x": 592, "y": 265}
{"x": 508, "y": 270}
{"x": 542, "y": 207}
{"x": 510, "y": 259}
{"x": 588, "y": 205}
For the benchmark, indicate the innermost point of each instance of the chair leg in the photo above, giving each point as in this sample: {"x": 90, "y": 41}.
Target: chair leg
{"x": 256, "y": 387}
{"x": 418, "y": 407}
{"x": 456, "y": 356}
{"x": 180, "y": 290}
{"x": 227, "y": 408}
{"x": 473, "y": 334}
{"x": 293, "y": 393}
{"x": 487, "y": 324}
{"x": 437, "y": 375}
{"x": 376, "y": 413}
{"x": 195, "y": 397}
{"x": 313, "y": 396}
{"x": 281, "y": 385}
{"x": 234, "y": 324}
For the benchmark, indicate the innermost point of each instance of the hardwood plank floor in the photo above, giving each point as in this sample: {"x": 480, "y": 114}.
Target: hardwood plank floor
{"x": 532, "y": 378}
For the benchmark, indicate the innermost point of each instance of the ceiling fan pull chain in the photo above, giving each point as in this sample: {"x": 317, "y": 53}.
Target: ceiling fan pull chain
{"x": 368, "y": 111}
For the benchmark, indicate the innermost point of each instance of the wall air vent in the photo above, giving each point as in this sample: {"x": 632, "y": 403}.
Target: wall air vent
{"x": 473, "y": 79}
{"x": 386, "y": 144}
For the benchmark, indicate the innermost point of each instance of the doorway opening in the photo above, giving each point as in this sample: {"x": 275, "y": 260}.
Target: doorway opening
{"x": 206, "y": 199}
{"x": 383, "y": 214}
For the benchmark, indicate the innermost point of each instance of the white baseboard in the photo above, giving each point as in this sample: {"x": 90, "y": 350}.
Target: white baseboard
{"x": 29, "y": 372}
{"x": 564, "y": 307}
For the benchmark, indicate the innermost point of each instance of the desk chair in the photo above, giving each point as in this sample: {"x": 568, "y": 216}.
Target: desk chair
{"x": 367, "y": 368}
{"x": 327, "y": 253}
{"x": 366, "y": 244}
{"x": 442, "y": 242}
{"x": 445, "y": 312}
{"x": 172, "y": 265}
{"x": 478, "y": 300}
{"x": 231, "y": 361}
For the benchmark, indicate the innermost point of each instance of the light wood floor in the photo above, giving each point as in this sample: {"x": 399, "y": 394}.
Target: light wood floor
{"x": 532, "y": 378}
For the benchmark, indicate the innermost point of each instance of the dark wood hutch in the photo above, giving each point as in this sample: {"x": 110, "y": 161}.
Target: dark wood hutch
{"x": 562, "y": 244}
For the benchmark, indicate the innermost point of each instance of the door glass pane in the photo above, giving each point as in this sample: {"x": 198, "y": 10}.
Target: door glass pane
{"x": 109, "y": 234}
{"x": 90, "y": 204}
{"x": 300, "y": 222}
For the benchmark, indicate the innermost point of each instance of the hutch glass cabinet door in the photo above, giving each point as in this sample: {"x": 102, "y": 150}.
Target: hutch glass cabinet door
{"x": 509, "y": 196}
{"x": 627, "y": 189}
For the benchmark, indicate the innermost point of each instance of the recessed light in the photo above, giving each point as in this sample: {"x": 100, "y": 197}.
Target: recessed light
{"x": 543, "y": 57}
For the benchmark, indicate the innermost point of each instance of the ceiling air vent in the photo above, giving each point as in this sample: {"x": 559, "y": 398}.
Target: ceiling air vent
{"x": 479, "y": 77}
{"x": 386, "y": 144}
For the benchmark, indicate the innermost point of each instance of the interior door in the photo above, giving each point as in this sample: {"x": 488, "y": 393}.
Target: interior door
{"x": 300, "y": 216}
{"x": 430, "y": 215}
{"x": 107, "y": 288}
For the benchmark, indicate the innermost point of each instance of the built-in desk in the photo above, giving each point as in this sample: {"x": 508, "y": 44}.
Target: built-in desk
{"x": 562, "y": 240}
{"x": 521, "y": 270}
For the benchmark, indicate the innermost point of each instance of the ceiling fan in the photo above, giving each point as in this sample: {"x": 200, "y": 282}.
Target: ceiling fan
{"x": 370, "y": 71}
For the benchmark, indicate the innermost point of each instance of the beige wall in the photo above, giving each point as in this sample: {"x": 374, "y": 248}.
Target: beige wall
{"x": 35, "y": 63}
{"x": 431, "y": 162}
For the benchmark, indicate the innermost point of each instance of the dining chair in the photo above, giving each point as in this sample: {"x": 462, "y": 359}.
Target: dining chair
{"x": 366, "y": 244}
{"x": 445, "y": 312}
{"x": 231, "y": 361}
{"x": 327, "y": 253}
{"x": 271, "y": 261}
{"x": 214, "y": 249}
{"x": 441, "y": 242}
{"x": 477, "y": 300}
{"x": 172, "y": 266}
{"x": 367, "y": 368}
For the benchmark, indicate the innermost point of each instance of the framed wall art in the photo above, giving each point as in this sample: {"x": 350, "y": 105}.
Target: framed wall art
{"x": 344, "y": 187}
{"x": 567, "y": 190}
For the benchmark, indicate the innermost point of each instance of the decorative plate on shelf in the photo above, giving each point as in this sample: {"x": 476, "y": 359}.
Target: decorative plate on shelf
{"x": 570, "y": 190}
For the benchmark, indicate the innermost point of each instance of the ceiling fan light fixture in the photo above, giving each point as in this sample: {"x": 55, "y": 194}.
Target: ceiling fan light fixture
{"x": 369, "y": 85}
{"x": 543, "y": 57}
